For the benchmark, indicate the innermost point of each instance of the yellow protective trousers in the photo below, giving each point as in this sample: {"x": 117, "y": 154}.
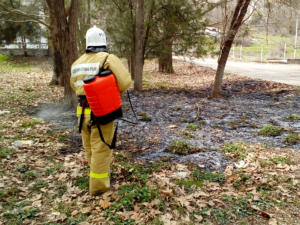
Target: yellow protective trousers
{"x": 99, "y": 155}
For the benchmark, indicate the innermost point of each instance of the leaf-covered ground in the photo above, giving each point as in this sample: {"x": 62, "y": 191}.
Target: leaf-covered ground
{"x": 45, "y": 183}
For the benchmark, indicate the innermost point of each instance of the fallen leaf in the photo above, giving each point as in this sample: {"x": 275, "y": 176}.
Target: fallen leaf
{"x": 198, "y": 218}
{"x": 86, "y": 210}
{"x": 261, "y": 212}
{"x": 105, "y": 204}
{"x": 167, "y": 192}
{"x": 37, "y": 204}
{"x": 272, "y": 221}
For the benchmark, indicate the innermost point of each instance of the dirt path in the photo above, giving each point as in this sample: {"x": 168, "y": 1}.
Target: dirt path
{"x": 282, "y": 73}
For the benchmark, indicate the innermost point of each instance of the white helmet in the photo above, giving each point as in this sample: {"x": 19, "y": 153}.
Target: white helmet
{"x": 95, "y": 37}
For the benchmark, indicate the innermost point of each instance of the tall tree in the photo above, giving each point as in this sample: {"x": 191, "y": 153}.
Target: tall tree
{"x": 179, "y": 28}
{"x": 236, "y": 21}
{"x": 64, "y": 26}
{"x": 63, "y": 32}
{"x": 139, "y": 51}
{"x": 169, "y": 26}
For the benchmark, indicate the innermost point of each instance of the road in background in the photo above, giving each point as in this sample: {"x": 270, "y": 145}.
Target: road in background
{"x": 282, "y": 73}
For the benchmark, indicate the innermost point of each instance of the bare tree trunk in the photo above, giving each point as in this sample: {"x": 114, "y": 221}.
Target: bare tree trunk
{"x": 132, "y": 62}
{"x": 132, "y": 7}
{"x": 63, "y": 36}
{"x": 89, "y": 12}
{"x": 236, "y": 21}
{"x": 139, "y": 50}
{"x": 165, "y": 61}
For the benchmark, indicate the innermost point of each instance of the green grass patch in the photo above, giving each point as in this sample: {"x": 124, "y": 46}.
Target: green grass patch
{"x": 3, "y": 58}
{"x": 32, "y": 95}
{"x": 267, "y": 163}
{"x": 281, "y": 160}
{"x": 274, "y": 44}
{"x": 61, "y": 189}
{"x": 23, "y": 168}
{"x": 63, "y": 207}
{"x": 241, "y": 208}
{"x": 144, "y": 117}
{"x": 270, "y": 131}
{"x": 236, "y": 150}
{"x": 7, "y": 152}
{"x": 130, "y": 195}
{"x": 30, "y": 123}
{"x": 197, "y": 179}
{"x": 182, "y": 148}
{"x": 186, "y": 134}
{"x": 292, "y": 138}
{"x": 49, "y": 171}
{"x": 262, "y": 204}
{"x": 228, "y": 198}
{"x": 244, "y": 177}
{"x": 186, "y": 120}
{"x": 29, "y": 175}
{"x": 188, "y": 184}
{"x": 15, "y": 217}
{"x": 8, "y": 63}
{"x": 220, "y": 215}
{"x": 133, "y": 172}
{"x": 11, "y": 192}
{"x": 58, "y": 166}
{"x": 38, "y": 185}
{"x": 82, "y": 183}
{"x": 293, "y": 117}
{"x": 200, "y": 175}
{"x": 161, "y": 165}
{"x": 63, "y": 138}
{"x": 192, "y": 126}
{"x": 156, "y": 221}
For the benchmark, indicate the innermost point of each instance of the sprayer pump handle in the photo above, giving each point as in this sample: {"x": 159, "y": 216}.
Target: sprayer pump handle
{"x": 89, "y": 79}
{"x": 105, "y": 73}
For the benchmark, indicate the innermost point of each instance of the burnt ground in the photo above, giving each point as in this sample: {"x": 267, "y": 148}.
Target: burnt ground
{"x": 170, "y": 110}
{"x": 237, "y": 118}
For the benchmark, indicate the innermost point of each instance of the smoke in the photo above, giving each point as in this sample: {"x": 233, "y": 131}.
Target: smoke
{"x": 58, "y": 113}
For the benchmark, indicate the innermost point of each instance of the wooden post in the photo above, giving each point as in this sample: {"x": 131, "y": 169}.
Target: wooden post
{"x": 261, "y": 53}
{"x": 284, "y": 51}
{"x": 241, "y": 51}
{"x": 296, "y": 37}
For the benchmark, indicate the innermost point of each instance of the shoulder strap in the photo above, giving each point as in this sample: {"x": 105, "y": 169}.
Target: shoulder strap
{"x": 102, "y": 67}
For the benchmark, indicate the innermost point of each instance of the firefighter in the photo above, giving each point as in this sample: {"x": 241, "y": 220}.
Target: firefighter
{"x": 99, "y": 154}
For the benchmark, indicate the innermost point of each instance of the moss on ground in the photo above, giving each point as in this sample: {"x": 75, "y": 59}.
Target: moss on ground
{"x": 270, "y": 131}
{"x": 182, "y": 148}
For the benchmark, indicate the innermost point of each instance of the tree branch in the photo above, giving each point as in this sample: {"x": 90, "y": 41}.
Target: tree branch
{"x": 19, "y": 12}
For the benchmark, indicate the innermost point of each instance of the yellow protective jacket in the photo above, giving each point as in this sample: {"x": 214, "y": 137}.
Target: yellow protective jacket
{"x": 90, "y": 63}
{"x": 99, "y": 155}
